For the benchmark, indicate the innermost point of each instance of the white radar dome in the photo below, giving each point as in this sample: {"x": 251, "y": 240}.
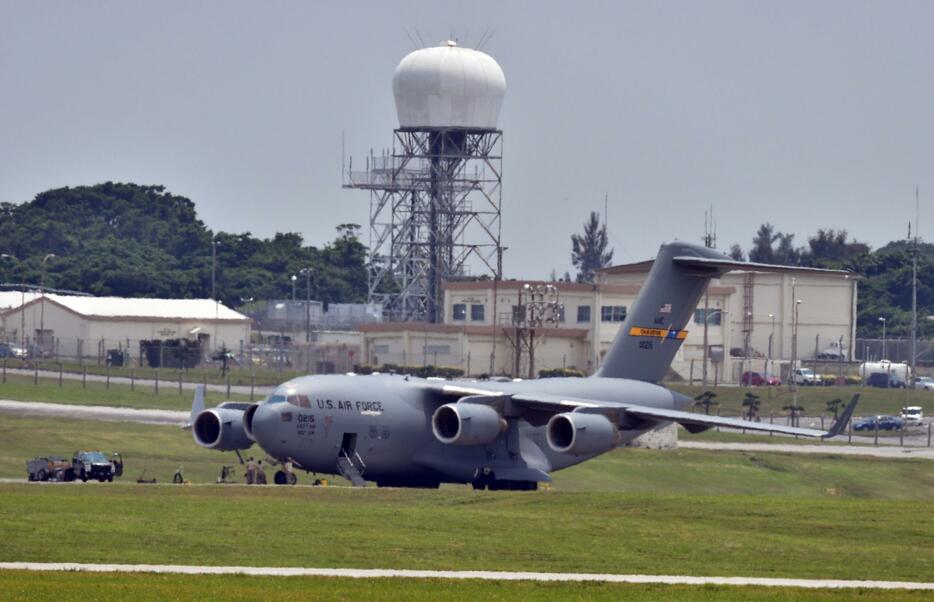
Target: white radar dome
{"x": 448, "y": 86}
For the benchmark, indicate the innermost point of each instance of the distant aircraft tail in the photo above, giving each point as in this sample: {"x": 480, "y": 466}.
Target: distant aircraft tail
{"x": 197, "y": 405}
{"x": 654, "y": 329}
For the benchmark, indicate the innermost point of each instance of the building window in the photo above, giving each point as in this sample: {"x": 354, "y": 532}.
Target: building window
{"x": 713, "y": 316}
{"x": 380, "y": 348}
{"x": 613, "y": 313}
{"x": 518, "y": 314}
{"x": 561, "y": 314}
{"x": 477, "y": 312}
{"x": 459, "y": 312}
{"x": 583, "y": 313}
{"x": 436, "y": 349}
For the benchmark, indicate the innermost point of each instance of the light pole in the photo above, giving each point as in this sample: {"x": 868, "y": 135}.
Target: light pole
{"x": 746, "y": 351}
{"x": 882, "y": 319}
{"x": 294, "y": 279}
{"x": 307, "y": 273}
{"x": 42, "y": 295}
{"x": 214, "y": 244}
{"x": 768, "y": 370}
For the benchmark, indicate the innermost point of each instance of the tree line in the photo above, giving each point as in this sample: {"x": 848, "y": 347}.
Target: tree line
{"x": 130, "y": 240}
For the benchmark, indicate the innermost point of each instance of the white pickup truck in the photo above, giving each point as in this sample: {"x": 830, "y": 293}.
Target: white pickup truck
{"x": 806, "y": 376}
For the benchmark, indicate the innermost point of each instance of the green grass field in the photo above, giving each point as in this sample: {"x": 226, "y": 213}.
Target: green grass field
{"x": 462, "y": 530}
{"x": 630, "y": 511}
{"x": 162, "y": 449}
{"x": 20, "y": 585}
{"x": 21, "y": 388}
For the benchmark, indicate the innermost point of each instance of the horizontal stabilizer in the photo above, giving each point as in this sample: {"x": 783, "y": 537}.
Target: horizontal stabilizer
{"x": 718, "y": 267}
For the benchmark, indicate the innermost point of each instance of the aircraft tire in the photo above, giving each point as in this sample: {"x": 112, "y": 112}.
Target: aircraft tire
{"x": 279, "y": 478}
{"x": 292, "y": 478}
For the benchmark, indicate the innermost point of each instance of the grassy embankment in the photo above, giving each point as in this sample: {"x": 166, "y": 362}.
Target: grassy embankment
{"x": 21, "y": 388}
{"x": 261, "y": 377}
{"x": 67, "y": 587}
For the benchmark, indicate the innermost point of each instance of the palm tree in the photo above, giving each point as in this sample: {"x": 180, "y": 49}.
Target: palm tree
{"x": 834, "y": 406}
{"x": 706, "y": 399}
{"x": 588, "y": 251}
{"x": 751, "y": 403}
{"x": 793, "y": 413}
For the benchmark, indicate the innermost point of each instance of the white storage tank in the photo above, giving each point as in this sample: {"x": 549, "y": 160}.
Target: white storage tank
{"x": 448, "y": 87}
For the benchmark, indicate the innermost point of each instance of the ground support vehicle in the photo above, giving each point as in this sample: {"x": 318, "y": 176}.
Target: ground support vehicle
{"x": 50, "y": 468}
{"x": 913, "y": 415}
{"x": 95, "y": 465}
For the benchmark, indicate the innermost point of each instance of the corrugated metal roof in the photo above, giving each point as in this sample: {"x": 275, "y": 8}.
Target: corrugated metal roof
{"x": 122, "y": 307}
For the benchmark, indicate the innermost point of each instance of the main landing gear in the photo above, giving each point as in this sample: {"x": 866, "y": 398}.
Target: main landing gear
{"x": 486, "y": 479}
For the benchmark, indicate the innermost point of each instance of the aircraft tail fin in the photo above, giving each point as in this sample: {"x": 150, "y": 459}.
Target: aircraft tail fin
{"x": 653, "y": 329}
{"x": 197, "y": 405}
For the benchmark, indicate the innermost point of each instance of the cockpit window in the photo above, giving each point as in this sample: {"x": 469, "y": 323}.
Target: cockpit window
{"x": 276, "y": 399}
{"x": 301, "y": 401}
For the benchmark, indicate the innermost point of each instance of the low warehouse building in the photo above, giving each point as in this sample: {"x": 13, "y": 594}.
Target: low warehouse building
{"x": 72, "y": 327}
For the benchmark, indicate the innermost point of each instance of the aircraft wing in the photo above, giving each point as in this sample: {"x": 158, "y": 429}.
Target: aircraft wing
{"x": 620, "y": 412}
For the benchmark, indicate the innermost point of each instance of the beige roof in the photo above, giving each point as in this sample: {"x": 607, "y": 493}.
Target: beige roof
{"x": 13, "y": 299}
{"x": 123, "y": 307}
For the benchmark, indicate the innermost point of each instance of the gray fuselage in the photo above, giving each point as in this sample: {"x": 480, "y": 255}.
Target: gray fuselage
{"x": 384, "y": 421}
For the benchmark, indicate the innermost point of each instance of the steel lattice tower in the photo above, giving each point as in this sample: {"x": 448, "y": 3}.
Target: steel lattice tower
{"x": 436, "y": 197}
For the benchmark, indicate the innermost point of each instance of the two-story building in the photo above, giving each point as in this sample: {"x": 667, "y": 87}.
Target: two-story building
{"x": 749, "y": 325}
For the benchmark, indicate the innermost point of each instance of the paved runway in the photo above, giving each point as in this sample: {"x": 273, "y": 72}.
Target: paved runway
{"x": 883, "y": 451}
{"x": 105, "y": 413}
{"x": 482, "y": 575}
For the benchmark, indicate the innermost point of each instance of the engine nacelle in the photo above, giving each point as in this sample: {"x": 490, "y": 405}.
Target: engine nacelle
{"x": 581, "y": 434}
{"x": 467, "y": 424}
{"x": 220, "y": 429}
{"x": 248, "y": 420}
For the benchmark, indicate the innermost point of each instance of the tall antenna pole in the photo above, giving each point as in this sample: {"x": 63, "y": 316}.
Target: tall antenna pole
{"x": 914, "y": 289}
{"x": 709, "y": 242}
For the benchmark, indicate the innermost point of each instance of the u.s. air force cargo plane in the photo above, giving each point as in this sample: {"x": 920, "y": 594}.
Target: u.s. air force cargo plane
{"x": 405, "y": 431}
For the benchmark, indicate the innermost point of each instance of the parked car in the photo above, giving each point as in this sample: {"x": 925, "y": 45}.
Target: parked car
{"x": 886, "y": 423}
{"x": 913, "y": 415}
{"x": 806, "y": 376}
{"x": 757, "y": 379}
{"x": 11, "y": 350}
{"x": 924, "y": 382}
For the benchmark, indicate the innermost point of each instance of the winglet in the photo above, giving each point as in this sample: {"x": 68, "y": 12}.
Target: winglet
{"x": 197, "y": 406}
{"x": 841, "y": 422}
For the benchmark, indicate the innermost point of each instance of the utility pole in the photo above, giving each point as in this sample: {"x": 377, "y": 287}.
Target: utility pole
{"x": 307, "y": 273}
{"x": 214, "y": 244}
{"x": 42, "y": 298}
{"x": 710, "y": 241}
{"x": 914, "y": 291}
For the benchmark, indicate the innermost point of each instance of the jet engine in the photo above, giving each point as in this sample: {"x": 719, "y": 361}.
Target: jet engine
{"x": 221, "y": 428}
{"x": 248, "y": 420}
{"x": 581, "y": 434}
{"x": 467, "y": 424}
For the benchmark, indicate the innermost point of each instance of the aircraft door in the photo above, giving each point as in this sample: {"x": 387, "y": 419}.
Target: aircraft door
{"x": 349, "y": 444}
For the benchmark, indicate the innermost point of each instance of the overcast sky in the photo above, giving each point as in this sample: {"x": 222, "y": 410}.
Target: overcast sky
{"x": 804, "y": 114}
